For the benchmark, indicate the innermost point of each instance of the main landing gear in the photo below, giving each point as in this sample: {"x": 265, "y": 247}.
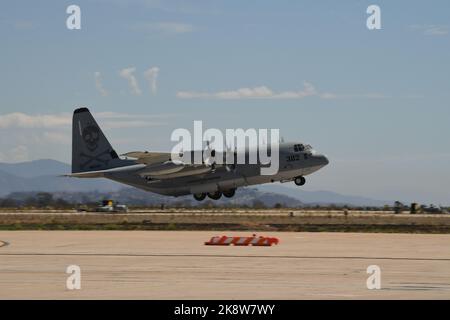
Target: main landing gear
{"x": 199, "y": 196}
{"x": 215, "y": 195}
{"x": 229, "y": 193}
{"x": 299, "y": 181}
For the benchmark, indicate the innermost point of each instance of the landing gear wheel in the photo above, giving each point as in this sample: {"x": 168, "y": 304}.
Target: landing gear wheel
{"x": 229, "y": 193}
{"x": 299, "y": 181}
{"x": 215, "y": 196}
{"x": 199, "y": 196}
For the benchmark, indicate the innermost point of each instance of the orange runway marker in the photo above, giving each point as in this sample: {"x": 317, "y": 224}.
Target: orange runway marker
{"x": 259, "y": 241}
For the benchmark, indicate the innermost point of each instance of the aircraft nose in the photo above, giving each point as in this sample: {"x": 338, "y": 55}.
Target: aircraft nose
{"x": 323, "y": 160}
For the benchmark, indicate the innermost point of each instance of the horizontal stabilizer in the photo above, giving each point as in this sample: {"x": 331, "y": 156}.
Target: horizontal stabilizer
{"x": 101, "y": 173}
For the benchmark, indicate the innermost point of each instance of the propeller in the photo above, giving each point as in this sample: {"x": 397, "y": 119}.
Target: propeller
{"x": 180, "y": 156}
{"x": 210, "y": 160}
{"x": 231, "y": 167}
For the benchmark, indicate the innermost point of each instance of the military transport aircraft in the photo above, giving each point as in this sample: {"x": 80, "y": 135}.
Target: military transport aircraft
{"x": 94, "y": 157}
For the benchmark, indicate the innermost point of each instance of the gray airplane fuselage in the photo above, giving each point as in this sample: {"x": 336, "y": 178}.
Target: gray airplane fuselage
{"x": 292, "y": 163}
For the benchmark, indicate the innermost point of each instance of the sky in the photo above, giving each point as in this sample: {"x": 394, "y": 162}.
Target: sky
{"x": 376, "y": 102}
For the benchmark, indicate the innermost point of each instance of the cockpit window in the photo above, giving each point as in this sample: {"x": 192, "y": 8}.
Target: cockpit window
{"x": 299, "y": 147}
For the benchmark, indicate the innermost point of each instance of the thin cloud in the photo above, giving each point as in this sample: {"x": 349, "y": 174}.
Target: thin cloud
{"x": 64, "y": 120}
{"x": 118, "y": 115}
{"x": 431, "y": 29}
{"x": 116, "y": 120}
{"x": 163, "y": 27}
{"x": 19, "y": 153}
{"x": 22, "y": 120}
{"x": 332, "y": 96}
{"x": 152, "y": 75}
{"x": 132, "y": 124}
{"x": 99, "y": 85}
{"x": 264, "y": 92}
{"x": 128, "y": 75}
{"x": 56, "y": 137}
{"x": 261, "y": 92}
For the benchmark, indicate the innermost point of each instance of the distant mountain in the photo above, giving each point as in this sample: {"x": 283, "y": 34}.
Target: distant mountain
{"x": 44, "y": 175}
{"x": 36, "y": 168}
{"x": 322, "y": 197}
{"x": 10, "y": 182}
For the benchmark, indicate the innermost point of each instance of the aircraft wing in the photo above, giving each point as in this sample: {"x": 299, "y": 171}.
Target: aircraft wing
{"x": 149, "y": 158}
{"x": 160, "y": 166}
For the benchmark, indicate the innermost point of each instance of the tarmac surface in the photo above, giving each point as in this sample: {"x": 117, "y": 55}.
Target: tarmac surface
{"x": 177, "y": 265}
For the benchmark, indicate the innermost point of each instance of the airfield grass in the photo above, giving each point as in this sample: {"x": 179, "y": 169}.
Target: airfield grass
{"x": 230, "y": 227}
{"x": 231, "y": 220}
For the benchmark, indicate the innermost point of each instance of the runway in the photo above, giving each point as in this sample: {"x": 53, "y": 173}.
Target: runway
{"x": 176, "y": 265}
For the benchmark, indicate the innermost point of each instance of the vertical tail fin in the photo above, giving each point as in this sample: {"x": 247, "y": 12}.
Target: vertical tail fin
{"x": 91, "y": 151}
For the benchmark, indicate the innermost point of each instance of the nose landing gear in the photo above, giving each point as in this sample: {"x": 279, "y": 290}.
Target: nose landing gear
{"x": 299, "y": 181}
